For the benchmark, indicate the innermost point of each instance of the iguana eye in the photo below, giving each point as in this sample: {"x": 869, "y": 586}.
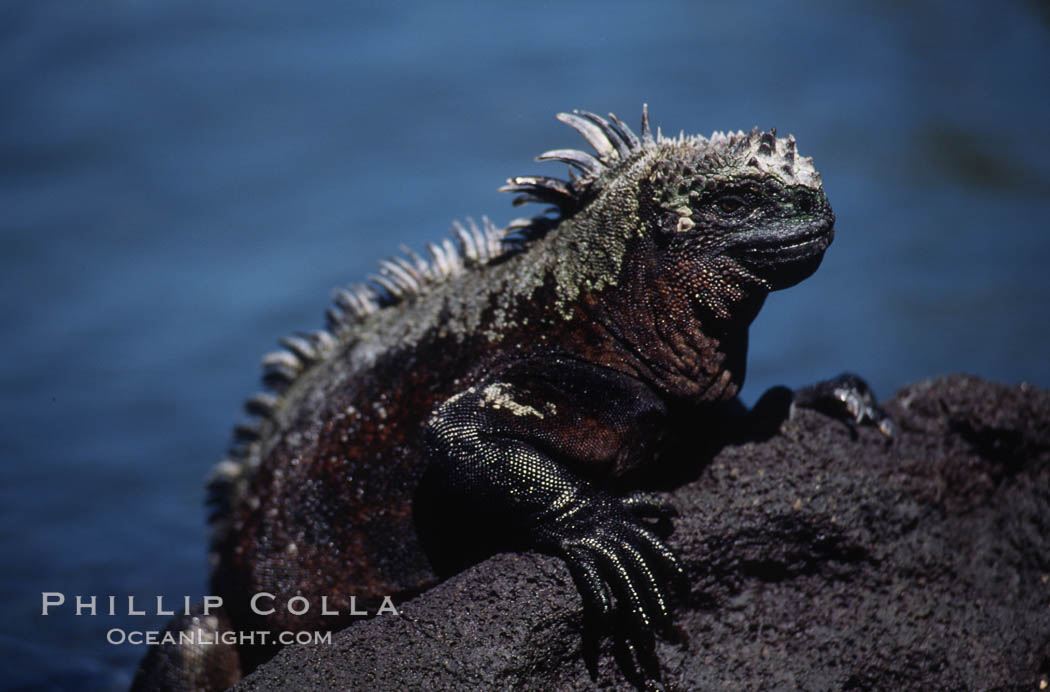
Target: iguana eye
{"x": 729, "y": 205}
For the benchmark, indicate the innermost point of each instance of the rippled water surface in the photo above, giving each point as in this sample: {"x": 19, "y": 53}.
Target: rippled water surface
{"x": 183, "y": 182}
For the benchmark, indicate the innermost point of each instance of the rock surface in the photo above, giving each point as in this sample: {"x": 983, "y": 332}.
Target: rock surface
{"x": 820, "y": 559}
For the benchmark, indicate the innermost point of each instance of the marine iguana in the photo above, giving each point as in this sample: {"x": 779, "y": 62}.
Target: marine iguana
{"x": 503, "y": 393}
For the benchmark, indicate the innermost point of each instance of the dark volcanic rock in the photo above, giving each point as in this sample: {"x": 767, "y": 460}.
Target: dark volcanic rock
{"x": 823, "y": 558}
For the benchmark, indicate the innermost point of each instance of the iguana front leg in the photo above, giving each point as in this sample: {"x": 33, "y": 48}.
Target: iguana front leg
{"x": 528, "y": 448}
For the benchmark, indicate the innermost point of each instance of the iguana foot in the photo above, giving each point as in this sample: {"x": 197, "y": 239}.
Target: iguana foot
{"x": 620, "y": 566}
{"x": 207, "y": 664}
{"x": 845, "y": 397}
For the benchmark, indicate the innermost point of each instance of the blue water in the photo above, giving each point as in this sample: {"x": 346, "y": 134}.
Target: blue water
{"x": 184, "y": 182}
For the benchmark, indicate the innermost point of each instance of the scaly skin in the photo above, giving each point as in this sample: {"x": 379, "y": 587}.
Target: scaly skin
{"x": 513, "y": 383}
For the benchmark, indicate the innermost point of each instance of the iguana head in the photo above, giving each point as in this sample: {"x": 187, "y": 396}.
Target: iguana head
{"x": 734, "y": 216}
{"x": 736, "y": 213}
{"x": 729, "y": 217}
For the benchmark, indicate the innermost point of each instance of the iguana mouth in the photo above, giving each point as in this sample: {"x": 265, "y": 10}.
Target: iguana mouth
{"x": 784, "y": 256}
{"x": 786, "y": 249}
